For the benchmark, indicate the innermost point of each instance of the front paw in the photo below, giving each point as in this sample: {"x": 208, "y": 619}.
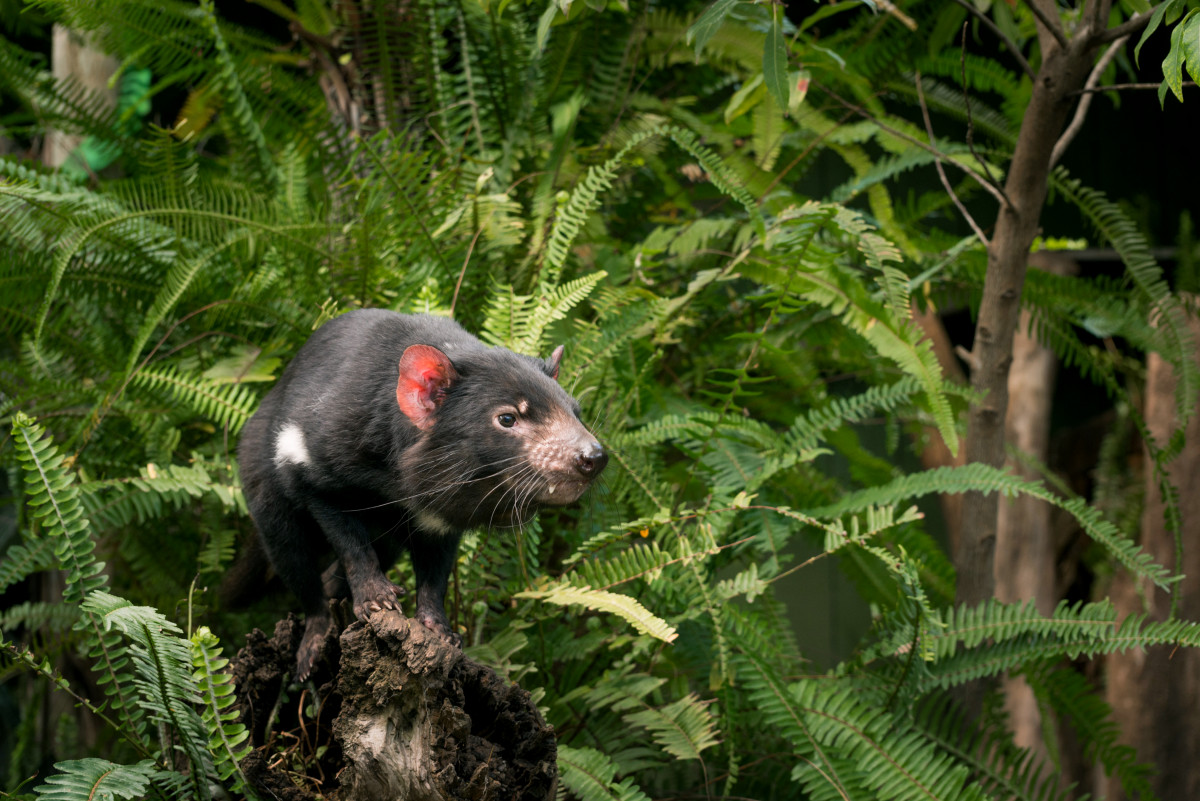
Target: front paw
{"x": 440, "y": 625}
{"x": 374, "y": 596}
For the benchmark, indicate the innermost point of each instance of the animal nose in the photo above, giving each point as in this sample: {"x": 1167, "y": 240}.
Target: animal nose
{"x": 591, "y": 460}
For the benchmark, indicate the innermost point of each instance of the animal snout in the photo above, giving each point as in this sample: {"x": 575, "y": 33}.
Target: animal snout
{"x": 591, "y": 460}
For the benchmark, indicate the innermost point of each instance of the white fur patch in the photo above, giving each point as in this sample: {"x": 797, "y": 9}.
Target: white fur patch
{"x": 290, "y": 447}
{"x": 428, "y": 521}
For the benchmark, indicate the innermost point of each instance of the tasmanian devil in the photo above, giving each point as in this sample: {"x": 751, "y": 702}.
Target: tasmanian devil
{"x": 390, "y": 432}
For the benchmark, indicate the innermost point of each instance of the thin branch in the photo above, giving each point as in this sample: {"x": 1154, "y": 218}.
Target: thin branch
{"x": 994, "y": 191}
{"x": 1115, "y": 87}
{"x": 970, "y": 121}
{"x": 1126, "y": 28}
{"x": 905, "y": 20}
{"x": 1085, "y": 102}
{"x": 1047, "y": 23}
{"x": 1009, "y": 43}
{"x": 942, "y": 172}
{"x": 463, "y": 272}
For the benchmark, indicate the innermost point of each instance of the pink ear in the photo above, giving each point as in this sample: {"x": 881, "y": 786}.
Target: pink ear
{"x": 553, "y": 361}
{"x": 425, "y": 375}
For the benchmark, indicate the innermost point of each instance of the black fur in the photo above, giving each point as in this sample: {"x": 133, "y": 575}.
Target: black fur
{"x": 369, "y": 476}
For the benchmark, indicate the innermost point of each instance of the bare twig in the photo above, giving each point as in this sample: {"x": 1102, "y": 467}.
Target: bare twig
{"x": 905, "y": 20}
{"x": 969, "y": 357}
{"x": 942, "y": 173}
{"x": 970, "y": 121}
{"x": 1047, "y": 23}
{"x": 1126, "y": 28}
{"x": 1085, "y": 102}
{"x": 1009, "y": 43}
{"x": 994, "y": 191}
{"x": 462, "y": 273}
{"x": 1116, "y": 87}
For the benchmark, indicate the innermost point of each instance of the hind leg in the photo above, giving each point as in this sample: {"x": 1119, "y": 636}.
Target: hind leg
{"x": 293, "y": 542}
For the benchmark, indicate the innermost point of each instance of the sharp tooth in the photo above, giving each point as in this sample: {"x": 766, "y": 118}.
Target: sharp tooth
{"x": 551, "y": 489}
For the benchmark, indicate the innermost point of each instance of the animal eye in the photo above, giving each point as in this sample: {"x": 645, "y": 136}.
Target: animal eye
{"x": 508, "y": 420}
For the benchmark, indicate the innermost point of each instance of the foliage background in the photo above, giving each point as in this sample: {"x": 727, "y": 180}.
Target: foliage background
{"x": 731, "y": 252}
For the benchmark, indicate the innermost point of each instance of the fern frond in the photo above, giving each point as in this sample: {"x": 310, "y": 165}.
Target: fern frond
{"x": 53, "y": 495}
{"x": 811, "y": 271}
{"x": 623, "y": 606}
{"x": 682, "y": 728}
{"x": 1069, "y": 693}
{"x": 521, "y": 324}
{"x": 237, "y": 104}
{"x": 640, "y": 561}
{"x": 999, "y": 767}
{"x": 163, "y": 664}
{"x": 590, "y": 775}
{"x": 979, "y": 477}
{"x": 49, "y": 618}
{"x": 225, "y": 736}
{"x": 228, "y": 405}
{"x": 1165, "y": 310}
{"x": 22, "y": 561}
{"x": 572, "y": 216}
{"x": 153, "y": 493}
{"x": 777, "y": 707}
{"x": 90, "y": 779}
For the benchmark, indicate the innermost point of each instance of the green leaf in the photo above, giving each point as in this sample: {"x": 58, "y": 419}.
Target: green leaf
{"x": 775, "y": 65}
{"x": 1155, "y": 20}
{"x": 1190, "y": 43}
{"x": 709, "y": 23}
{"x": 1172, "y": 65}
{"x": 798, "y": 81}
{"x": 746, "y": 98}
{"x": 544, "y": 22}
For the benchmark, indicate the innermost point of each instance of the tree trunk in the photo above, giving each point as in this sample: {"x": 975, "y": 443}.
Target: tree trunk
{"x": 1154, "y": 694}
{"x": 1025, "y": 549}
{"x": 399, "y": 714}
{"x": 1062, "y": 71}
{"x": 72, "y": 57}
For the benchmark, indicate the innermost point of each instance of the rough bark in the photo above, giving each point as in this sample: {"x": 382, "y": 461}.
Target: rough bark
{"x": 399, "y": 714}
{"x": 1062, "y": 71}
{"x": 1025, "y": 544}
{"x": 1154, "y": 693}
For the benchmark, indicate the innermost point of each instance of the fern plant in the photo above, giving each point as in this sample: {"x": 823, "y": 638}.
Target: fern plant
{"x": 734, "y": 336}
{"x": 142, "y": 662}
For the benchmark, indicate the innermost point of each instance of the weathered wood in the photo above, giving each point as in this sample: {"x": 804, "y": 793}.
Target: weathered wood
{"x": 399, "y": 714}
{"x": 1153, "y": 692}
{"x": 1025, "y": 547}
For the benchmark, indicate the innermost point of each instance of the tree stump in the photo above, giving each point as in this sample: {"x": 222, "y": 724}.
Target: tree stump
{"x": 398, "y": 713}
